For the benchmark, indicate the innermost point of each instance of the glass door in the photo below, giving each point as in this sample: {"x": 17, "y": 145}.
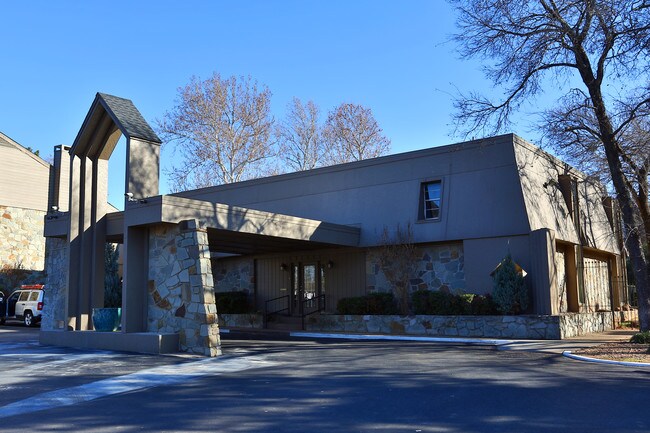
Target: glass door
{"x": 305, "y": 287}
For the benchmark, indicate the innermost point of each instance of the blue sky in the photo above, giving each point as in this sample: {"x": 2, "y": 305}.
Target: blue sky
{"x": 394, "y": 57}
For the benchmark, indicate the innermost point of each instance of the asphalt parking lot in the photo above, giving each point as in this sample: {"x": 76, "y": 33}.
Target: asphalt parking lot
{"x": 315, "y": 386}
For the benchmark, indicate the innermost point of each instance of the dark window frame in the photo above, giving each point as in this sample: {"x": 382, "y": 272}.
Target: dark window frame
{"x": 422, "y": 207}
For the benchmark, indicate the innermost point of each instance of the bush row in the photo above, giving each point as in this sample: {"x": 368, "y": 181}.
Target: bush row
{"x": 374, "y": 303}
{"x": 424, "y": 302}
{"x": 232, "y": 303}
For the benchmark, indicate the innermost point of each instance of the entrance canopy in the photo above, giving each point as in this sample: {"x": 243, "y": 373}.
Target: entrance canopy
{"x": 238, "y": 230}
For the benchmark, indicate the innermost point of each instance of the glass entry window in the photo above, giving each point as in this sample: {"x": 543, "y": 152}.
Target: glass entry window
{"x": 306, "y": 286}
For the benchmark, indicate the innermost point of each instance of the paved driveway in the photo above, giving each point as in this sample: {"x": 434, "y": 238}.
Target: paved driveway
{"x": 312, "y": 386}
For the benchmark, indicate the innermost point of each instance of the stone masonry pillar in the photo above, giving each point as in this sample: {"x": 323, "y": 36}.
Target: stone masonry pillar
{"x": 201, "y": 333}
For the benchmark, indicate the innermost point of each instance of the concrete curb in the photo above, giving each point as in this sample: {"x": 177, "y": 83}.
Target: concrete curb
{"x": 568, "y": 354}
{"x": 377, "y": 337}
{"x": 474, "y": 341}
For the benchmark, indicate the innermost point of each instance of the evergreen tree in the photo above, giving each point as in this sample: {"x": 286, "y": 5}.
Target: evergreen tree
{"x": 509, "y": 292}
{"x": 112, "y": 283}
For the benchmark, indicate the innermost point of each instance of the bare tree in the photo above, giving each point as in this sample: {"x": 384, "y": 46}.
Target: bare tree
{"x": 299, "y": 137}
{"x": 352, "y": 134}
{"x": 222, "y": 129}
{"x": 606, "y": 44}
{"x": 398, "y": 259}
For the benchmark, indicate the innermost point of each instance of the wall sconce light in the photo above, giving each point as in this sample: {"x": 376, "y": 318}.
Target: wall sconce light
{"x": 283, "y": 267}
{"x": 330, "y": 264}
{"x": 54, "y": 213}
{"x": 130, "y": 198}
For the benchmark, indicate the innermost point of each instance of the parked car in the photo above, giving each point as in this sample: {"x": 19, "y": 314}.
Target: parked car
{"x": 24, "y": 304}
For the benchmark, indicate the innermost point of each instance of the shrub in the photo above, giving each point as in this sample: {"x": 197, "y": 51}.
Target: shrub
{"x": 510, "y": 294}
{"x": 641, "y": 338}
{"x": 483, "y": 305}
{"x": 373, "y": 303}
{"x": 434, "y": 302}
{"x": 112, "y": 281}
{"x": 232, "y": 303}
{"x": 446, "y": 304}
{"x": 464, "y": 303}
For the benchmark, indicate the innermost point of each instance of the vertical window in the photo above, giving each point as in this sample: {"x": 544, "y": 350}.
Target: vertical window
{"x": 431, "y": 200}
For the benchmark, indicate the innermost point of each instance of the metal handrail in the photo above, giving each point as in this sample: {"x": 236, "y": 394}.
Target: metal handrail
{"x": 266, "y": 308}
{"x": 321, "y": 307}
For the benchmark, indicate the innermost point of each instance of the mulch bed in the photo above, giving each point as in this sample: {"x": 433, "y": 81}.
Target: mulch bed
{"x": 620, "y": 351}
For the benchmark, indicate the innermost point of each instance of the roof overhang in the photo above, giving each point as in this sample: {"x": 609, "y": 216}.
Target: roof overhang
{"x": 239, "y": 230}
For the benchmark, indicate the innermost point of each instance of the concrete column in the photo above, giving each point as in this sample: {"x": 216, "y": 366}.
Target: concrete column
{"x": 571, "y": 279}
{"x": 75, "y": 249}
{"x": 134, "y": 283}
{"x": 60, "y": 196}
{"x": 142, "y": 168}
{"x": 88, "y": 203}
{"x": 543, "y": 273}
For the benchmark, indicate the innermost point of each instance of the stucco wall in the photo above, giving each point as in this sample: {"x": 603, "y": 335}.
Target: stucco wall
{"x": 481, "y": 196}
{"x": 546, "y": 206}
{"x": 482, "y": 256}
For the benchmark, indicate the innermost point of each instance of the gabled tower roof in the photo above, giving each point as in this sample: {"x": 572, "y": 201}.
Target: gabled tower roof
{"x": 108, "y": 118}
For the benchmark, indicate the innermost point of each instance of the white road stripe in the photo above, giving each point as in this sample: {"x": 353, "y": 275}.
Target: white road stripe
{"x": 157, "y": 376}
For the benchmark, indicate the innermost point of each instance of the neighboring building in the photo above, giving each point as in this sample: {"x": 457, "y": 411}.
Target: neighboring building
{"x": 315, "y": 234}
{"x": 24, "y": 190}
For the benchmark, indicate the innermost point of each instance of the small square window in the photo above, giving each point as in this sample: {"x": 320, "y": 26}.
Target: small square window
{"x": 430, "y": 200}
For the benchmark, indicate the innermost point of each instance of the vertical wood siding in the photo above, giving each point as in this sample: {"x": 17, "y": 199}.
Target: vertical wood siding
{"x": 346, "y": 278}
{"x": 24, "y": 182}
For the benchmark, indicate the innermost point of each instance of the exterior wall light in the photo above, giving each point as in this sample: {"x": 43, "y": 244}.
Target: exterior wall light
{"x": 330, "y": 264}
{"x": 283, "y": 267}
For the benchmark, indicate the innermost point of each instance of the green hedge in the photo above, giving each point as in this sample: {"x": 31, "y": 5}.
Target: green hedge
{"x": 232, "y": 303}
{"x": 374, "y": 303}
{"x": 446, "y": 304}
{"x": 425, "y": 302}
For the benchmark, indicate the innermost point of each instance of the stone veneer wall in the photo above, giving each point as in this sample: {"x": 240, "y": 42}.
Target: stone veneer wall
{"x": 55, "y": 295}
{"x": 440, "y": 267}
{"x": 22, "y": 244}
{"x": 181, "y": 290}
{"x": 249, "y": 320}
{"x": 232, "y": 275}
{"x": 523, "y": 327}
{"x": 576, "y": 324}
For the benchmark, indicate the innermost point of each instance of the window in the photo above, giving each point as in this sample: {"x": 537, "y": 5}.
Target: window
{"x": 430, "y": 204}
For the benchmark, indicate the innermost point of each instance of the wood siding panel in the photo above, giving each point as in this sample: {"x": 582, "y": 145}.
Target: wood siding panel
{"x": 346, "y": 278}
{"x": 24, "y": 182}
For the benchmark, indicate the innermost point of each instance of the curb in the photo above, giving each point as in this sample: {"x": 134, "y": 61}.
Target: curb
{"x": 568, "y": 354}
{"x": 379, "y": 337}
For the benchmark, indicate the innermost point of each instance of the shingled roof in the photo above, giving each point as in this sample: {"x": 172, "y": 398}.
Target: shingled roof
{"x": 124, "y": 113}
{"x": 108, "y": 117}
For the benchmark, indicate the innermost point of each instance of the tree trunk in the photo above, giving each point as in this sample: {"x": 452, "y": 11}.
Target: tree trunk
{"x": 632, "y": 216}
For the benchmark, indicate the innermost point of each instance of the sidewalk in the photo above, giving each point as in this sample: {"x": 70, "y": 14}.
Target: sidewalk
{"x": 570, "y": 344}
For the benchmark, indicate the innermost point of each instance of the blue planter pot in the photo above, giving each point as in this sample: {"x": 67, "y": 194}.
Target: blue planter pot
{"x": 107, "y": 319}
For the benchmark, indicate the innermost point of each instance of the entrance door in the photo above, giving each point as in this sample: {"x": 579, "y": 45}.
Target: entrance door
{"x": 305, "y": 287}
